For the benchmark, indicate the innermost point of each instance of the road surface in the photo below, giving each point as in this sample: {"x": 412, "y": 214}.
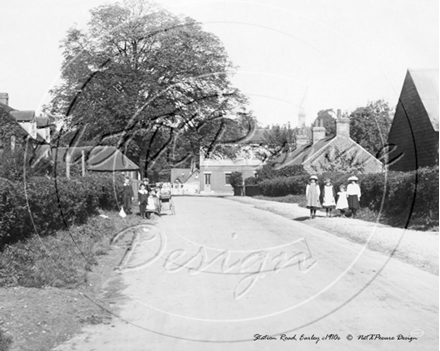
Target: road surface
{"x": 220, "y": 274}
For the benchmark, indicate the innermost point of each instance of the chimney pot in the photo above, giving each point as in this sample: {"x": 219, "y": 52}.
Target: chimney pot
{"x": 4, "y": 98}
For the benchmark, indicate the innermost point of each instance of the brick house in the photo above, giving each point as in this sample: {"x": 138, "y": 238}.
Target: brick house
{"x": 323, "y": 153}
{"x": 413, "y": 137}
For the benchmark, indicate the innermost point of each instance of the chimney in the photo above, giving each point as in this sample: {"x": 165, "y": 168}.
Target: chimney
{"x": 301, "y": 139}
{"x": 318, "y": 131}
{"x": 4, "y": 98}
{"x": 342, "y": 126}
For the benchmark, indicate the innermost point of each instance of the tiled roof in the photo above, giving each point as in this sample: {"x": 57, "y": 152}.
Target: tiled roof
{"x": 42, "y": 121}
{"x": 23, "y": 116}
{"x": 5, "y": 108}
{"x": 426, "y": 82}
{"x": 301, "y": 154}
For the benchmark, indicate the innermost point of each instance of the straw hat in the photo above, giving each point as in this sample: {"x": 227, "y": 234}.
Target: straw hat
{"x": 353, "y": 178}
{"x": 314, "y": 177}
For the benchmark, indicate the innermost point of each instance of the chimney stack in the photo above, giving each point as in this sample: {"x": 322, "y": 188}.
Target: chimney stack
{"x": 4, "y": 98}
{"x": 318, "y": 132}
{"x": 342, "y": 126}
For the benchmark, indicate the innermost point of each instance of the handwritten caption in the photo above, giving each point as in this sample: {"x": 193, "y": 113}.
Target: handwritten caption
{"x": 333, "y": 337}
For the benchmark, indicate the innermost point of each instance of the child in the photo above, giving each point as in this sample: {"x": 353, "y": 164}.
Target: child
{"x": 127, "y": 195}
{"x": 354, "y": 195}
{"x": 328, "y": 198}
{"x": 312, "y": 194}
{"x": 143, "y": 199}
{"x": 342, "y": 204}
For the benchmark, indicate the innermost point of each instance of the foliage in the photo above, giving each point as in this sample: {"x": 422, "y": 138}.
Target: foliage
{"x": 251, "y": 181}
{"x": 279, "y": 138}
{"x": 5, "y": 341}
{"x": 329, "y": 122}
{"x": 236, "y": 179}
{"x": 149, "y": 81}
{"x": 44, "y": 205}
{"x": 370, "y": 126}
{"x": 268, "y": 171}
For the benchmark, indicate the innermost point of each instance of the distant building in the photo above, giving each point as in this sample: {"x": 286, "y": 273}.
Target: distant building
{"x": 320, "y": 153}
{"x": 413, "y": 137}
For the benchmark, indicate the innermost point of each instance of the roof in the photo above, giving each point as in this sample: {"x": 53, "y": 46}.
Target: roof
{"x": 257, "y": 137}
{"x": 99, "y": 158}
{"x": 5, "y": 108}
{"x": 23, "y": 116}
{"x": 426, "y": 82}
{"x": 301, "y": 154}
{"x": 42, "y": 121}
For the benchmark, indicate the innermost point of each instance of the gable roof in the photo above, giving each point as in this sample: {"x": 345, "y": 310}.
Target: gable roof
{"x": 426, "y": 82}
{"x": 42, "y": 121}
{"x": 23, "y": 116}
{"x": 99, "y": 158}
{"x": 301, "y": 154}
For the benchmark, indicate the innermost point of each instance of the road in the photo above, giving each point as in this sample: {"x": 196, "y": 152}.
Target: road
{"x": 219, "y": 272}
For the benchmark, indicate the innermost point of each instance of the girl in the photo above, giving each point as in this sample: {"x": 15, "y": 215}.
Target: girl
{"x": 312, "y": 194}
{"x": 342, "y": 204}
{"x": 354, "y": 195}
{"x": 143, "y": 199}
{"x": 328, "y": 198}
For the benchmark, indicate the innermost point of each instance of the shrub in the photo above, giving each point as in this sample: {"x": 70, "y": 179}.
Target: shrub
{"x": 236, "y": 179}
{"x": 43, "y": 205}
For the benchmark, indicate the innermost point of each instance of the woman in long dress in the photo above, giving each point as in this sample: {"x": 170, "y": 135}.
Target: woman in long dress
{"x": 312, "y": 195}
{"x": 354, "y": 195}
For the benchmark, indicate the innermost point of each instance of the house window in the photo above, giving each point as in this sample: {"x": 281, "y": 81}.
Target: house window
{"x": 207, "y": 178}
{"x": 228, "y": 178}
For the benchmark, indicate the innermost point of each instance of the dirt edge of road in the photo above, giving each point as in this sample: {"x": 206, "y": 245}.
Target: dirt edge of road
{"x": 417, "y": 248}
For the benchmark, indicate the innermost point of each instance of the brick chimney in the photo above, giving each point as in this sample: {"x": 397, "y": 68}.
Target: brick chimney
{"x": 301, "y": 139}
{"x": 342, "y": 126}
{"x": 4, "y": 98}
{"x": 318, "y": 131}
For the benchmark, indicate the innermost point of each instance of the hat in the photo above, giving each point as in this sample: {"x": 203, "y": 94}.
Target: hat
{"x": 353, "y": 178}
{"x": 146, "y": 179}
{"x": 314, "y": 177}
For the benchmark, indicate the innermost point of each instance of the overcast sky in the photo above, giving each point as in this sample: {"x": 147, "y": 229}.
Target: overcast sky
{"x": 316, "y": 53}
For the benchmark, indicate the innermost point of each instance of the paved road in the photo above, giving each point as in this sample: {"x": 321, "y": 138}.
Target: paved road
{"x": 219, "y": 272}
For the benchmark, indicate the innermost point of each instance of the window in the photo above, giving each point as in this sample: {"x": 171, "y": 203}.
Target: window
{"x": 228, "y": 178}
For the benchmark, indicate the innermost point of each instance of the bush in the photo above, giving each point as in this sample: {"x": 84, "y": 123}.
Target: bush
{"x": 236, "y": 179}
{"x": 43, "y": 205}
{"x": 268, "y": 171}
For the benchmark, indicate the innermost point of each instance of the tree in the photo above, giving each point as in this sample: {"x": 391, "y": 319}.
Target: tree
{"x": 328, "y": 120}
{"x": 149, "y": 82}
{"x": 278, "y": 139}
{"x": 370, "y": 125}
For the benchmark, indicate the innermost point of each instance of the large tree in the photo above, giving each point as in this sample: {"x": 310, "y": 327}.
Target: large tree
{"x": 370, "y": 125}
{"x": 278, "y": 139}
{"x": 329, "y": 122}
{"x": 148, "y": 81}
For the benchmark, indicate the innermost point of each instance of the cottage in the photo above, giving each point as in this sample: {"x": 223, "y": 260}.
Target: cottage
{"x": 334, "y": 153}
{"x": 185, "y": 180}
{"x": 413, "y": 137}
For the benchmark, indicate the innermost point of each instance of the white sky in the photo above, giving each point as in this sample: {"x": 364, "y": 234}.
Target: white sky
{"x": 344, "y": 53}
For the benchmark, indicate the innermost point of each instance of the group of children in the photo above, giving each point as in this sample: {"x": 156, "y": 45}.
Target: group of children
{"x": 346, "y": 200}
{"x": 143, "y": 194}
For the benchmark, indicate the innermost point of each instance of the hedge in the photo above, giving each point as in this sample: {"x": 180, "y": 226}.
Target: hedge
{"x": 43, "y": 205}
{"x": 396, "y": 194}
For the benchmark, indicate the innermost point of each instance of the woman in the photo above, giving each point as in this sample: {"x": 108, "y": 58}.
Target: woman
{"x": 127, "y": 195}
{"x": 143, "y": 199}
{"x": 354, "y": 195}
{"x": 312, "y": 194}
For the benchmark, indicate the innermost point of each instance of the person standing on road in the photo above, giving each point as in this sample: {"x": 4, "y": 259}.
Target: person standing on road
{"x": 142, "y": 199}
{"x": 127, "y": 195}
{"x": 312, "y": 195}
{"x": 328, "y": 201}
{"x": 342, "y": 203}
{"x": 354, "y": 195}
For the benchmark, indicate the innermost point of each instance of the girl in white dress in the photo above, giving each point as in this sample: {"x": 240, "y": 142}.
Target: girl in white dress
{"x": 328, "y": 198}
{"x": 342, "y": 204}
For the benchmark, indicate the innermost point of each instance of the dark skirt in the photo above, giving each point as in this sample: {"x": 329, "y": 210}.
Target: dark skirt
{"x": 353, "y": 202}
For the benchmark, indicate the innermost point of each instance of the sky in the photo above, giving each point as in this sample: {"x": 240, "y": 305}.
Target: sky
{"x": 313, "y": 54}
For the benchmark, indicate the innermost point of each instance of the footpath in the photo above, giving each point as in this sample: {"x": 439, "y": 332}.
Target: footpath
{"x": 414, "y": 247}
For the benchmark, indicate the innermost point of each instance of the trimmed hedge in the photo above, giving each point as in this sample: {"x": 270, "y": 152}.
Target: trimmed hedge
{"x": 394, "y": 194}
{"x": 43, "y": 205}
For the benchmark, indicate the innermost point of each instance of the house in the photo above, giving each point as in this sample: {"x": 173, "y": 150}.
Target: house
{"x": 334, "y": 153}
{"x": 215, "y": 173}
{"x": 10, "y": 131}
{"x": 185, "y": 181}
{"x": 413, "y": 138}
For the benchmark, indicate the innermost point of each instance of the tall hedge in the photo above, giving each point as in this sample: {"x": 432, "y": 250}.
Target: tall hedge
{"x": 43, "y": 205}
